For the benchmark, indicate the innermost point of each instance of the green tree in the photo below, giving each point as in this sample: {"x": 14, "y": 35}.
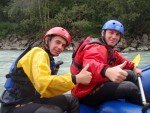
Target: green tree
{"x": 81, "y": 17}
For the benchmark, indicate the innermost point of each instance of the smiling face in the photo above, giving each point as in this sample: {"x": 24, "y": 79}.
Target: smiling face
{"x": 112, "y": 37}
{"x": 56, "y": 45}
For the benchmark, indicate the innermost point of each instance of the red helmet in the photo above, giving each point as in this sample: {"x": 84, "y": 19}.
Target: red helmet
{"x": 60, "y": 32}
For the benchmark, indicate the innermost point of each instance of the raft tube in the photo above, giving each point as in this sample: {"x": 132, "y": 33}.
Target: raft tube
{"x": 122, "y": 106}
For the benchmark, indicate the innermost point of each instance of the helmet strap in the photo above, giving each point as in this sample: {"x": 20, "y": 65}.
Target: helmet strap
{"x": 46, "y": 43}
{"x": 103, "y": 37}
{"x": 119, "y": 40}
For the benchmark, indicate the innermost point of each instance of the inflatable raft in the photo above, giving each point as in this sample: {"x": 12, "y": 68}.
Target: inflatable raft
{"x": 119, "y": 106}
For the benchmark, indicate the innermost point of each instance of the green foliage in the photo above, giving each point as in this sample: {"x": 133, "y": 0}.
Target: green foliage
{"x": 80, "y": 17}
{"x": 28, "y": 26}
{"x": 80, "y": 28}
{"x": 7, "y": 28}
{"x": 74, "y": 19}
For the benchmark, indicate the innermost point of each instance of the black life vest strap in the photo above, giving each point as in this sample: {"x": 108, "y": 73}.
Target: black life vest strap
{"x": 111, "y": 59}
{"x": 22, "y": 54}
{"x": 76, "y": 65}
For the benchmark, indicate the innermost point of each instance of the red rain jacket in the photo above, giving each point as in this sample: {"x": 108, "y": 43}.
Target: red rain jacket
{"x": 96, "y": 56}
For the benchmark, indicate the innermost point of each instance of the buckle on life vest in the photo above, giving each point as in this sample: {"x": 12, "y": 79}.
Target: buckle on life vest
{"x": 8, "y": 75}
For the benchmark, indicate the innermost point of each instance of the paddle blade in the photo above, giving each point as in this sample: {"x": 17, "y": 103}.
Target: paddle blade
{"x": 136, "y": 60}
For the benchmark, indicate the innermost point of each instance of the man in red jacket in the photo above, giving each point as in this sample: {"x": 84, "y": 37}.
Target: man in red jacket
{"x": 113, "y": 76}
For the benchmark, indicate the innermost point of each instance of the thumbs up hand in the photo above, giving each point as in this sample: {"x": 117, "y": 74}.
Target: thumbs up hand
{"x": 122, "y": 65}
{"x": 116, "y": 74}
{"x": 84, "y": 77}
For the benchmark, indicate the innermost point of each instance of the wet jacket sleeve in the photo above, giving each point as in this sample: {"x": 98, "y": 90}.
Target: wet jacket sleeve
{"x": 95, "y": 55}
{"x": 36, "y": 65}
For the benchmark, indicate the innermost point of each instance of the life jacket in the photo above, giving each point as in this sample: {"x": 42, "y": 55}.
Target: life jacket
{"x": 76, "y": 65}
{"x": 17, "y": 82}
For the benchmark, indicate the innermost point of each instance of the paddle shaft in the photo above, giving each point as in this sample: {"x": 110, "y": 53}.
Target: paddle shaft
{"x": 146, "y": 105}
{"x": 142, "y": 90}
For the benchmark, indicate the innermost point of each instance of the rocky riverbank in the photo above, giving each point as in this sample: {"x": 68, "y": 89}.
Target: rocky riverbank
{"x": 14, "y": 42}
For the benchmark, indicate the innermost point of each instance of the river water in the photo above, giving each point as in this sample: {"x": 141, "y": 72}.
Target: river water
{"x": 8, "y": 56}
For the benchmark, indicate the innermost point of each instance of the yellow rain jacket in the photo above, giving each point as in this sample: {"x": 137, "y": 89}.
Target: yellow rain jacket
{"x": 36, "y": 64}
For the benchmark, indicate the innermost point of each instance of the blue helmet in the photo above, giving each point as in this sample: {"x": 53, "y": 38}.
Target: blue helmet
{"x": 114, "y": 25}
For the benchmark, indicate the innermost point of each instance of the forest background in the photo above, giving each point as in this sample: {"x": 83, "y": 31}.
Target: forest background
{"x": 32, "y": 18}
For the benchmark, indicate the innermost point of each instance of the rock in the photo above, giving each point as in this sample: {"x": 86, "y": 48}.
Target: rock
{"x": 129, "y": 49}
{"x": 134, "y": 43}
{"x": 121, "y": 45}
{"x": 16, "y": 42}
{"x": 145, "y": 38}
{"x": 69, "y": 48}
{"x": 37, "y": 43}
{"x": 142, "y": 48}
{"x": 148, "y": 47}
{"x": 24, "y": 42}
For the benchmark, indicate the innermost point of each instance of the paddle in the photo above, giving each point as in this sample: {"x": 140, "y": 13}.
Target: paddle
{"x": 136, "y": 60}
{"x": 146, "y": 105}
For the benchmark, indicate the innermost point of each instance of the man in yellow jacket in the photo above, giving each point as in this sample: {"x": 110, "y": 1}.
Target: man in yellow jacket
{"x": 33, "y": 87}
